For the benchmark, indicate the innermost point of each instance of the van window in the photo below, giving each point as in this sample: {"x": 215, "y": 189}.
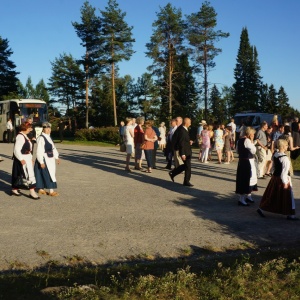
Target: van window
{"x": 246, "y": 120}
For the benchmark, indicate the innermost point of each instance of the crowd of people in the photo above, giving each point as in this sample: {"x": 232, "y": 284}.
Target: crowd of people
{"x": 263, "y": 153}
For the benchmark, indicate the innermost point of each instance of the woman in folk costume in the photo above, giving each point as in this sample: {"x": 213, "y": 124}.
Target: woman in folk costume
{"x": 246, "y": 176}
{"x": 278, "y": 197}
{"x": 22, "y": 162}
{"x": 45, "y": 168}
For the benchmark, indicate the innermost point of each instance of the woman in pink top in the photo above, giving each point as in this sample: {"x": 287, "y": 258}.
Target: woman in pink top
{"x": 150, "y": 137}
{"x": 205, "y": 134}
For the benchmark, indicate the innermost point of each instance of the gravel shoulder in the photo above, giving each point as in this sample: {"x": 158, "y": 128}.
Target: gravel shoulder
{"x": 104, "y": 213}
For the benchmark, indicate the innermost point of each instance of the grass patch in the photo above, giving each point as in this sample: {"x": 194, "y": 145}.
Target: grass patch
{"x": 252, "y": 274}
{"x": 85, "y": 143}
{"x": 296, "y": 164}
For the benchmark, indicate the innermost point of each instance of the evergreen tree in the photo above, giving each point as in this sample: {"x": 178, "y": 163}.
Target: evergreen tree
{"x": 8, "y": 75}
{"x": 165, "y": 44}
{"x": 272, "y": 106}
{"x": 117, "y": 41}
{"x": 263, "y": 98}
{"x": 185, "y": 93}
{"x": 41, "y": 91}
{"x": 217, "y": 105}
{"x": 202, "y": 37}
{"x": 283, "y": 103}
{"x": 147, "y": 95}
{"x": 67, "y": 81}
{"x": 246, "y": 73}
{"x": 29, "y": 89}
{"x": 89, "y": 33}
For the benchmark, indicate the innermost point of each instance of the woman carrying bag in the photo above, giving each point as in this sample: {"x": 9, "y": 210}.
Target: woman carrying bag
{"x": 22, "y": 171}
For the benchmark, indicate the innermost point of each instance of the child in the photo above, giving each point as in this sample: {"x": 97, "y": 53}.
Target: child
{"x": 278, "y": 197}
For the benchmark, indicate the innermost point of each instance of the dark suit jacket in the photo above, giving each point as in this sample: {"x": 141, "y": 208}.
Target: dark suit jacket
{"x": 181, "y": 141}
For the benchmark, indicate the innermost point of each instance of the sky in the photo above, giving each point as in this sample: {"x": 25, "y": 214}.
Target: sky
{"x": 39, "y": 31}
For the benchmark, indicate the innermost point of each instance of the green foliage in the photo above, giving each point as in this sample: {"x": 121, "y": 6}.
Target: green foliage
{"x": 109, "y": 134}
{"x": 202, "y": 36}
{"x": 8, "y": 75}
{"x": 247, "y": 86}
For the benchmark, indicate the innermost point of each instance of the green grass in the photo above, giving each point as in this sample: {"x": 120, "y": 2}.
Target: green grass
{"x": 296, "y": 164}
{"x": 85, "y": 143}
{"x": 249, "y": 274}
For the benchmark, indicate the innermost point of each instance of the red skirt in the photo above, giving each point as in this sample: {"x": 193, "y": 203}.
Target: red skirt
{"x": 276, "y": 199}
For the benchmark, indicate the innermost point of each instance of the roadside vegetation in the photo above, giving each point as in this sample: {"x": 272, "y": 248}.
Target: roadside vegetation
{"x": 249, "y": 274}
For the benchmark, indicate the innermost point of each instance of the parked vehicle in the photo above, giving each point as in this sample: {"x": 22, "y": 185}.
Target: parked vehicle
{"x": 253, "y": 119}
{"x": 19, "y": 110}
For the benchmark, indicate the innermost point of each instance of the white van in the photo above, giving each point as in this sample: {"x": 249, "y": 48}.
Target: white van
{"x": 253, "y": 119}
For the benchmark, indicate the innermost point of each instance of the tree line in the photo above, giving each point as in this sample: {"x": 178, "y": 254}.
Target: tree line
{"x": 182, "y": 50}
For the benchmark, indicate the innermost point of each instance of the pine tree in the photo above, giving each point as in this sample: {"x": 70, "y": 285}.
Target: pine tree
{"x": 246, "y": 73}
{"x": 217, "y": 105}
{"x": 147, "y": 95}
{"x": 8, "y": 75}
{"x": 165, "y": 44}
{"x": 67, "y": 81}
{"x": 272, "y": 101}
{"x": 185, "y": 92}
{"x": 283, "y": 103}
{"x": 202, "y": 37}
{"x": 117, "y": 41}
{"x": 89, "y": 33}
{"x": 41, "y": 91}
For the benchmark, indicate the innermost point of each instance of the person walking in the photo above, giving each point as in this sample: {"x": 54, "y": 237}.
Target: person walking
{"x": 138, "y": 141}
{"x": 261, "y": 144}
{"x": 162, "y": 138}
{"x": 150, "y": 138}
{"x": 278, "y": 197}
{"x": 182, "y": 145}
{"x": 205, "y": 137}
{"x": 169, "y": 150}
{"x": 45, "y": 167}
{"x": 129, "y": 142}
{"x": 246, "y": 178}
{"x": 61, "y": 128}
{"x": 219, "y": 142}
{"x": 22, "y": 162}
{"x": 9, "y": 130}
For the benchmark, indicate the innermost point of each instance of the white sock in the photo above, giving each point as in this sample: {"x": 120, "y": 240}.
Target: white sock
{"x": 33, "y": 193}
{"x": 249, "y": 196}
{"x": 51, "y": 191}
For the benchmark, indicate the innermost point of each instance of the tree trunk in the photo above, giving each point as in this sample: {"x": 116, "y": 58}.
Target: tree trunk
{"x": 114, "y": 93}
{"x": 87, "y": 93}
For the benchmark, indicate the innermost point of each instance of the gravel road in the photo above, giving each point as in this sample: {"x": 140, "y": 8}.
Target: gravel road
{"x": 104, "y": 213}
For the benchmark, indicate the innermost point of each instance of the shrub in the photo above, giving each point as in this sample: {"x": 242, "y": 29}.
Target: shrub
{"x": 108, "y": 134}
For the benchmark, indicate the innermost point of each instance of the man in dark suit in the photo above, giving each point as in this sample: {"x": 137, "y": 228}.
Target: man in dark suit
{"x": 182, "y": 149}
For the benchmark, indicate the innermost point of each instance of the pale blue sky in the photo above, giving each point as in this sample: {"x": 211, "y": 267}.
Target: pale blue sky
{"x": 40, "y": 30}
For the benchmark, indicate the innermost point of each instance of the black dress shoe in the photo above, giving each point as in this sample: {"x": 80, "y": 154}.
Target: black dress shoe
{"x": 34, "y": 198}
{"x": 171, "y": 176}
{"x": 259, "y": 211}
{"x": 242, "y": 204}
{"x": 249, "y": 200}
{"x": 187, "y": 184}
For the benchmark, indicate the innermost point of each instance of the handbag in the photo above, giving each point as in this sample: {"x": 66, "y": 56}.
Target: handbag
{"x": 21, "y": 182}
{"x": 123, "y": 147}
{"x": 143, "y": 146}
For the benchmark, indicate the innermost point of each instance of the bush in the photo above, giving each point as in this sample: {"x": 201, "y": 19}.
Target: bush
{"x": 108, "y": 134}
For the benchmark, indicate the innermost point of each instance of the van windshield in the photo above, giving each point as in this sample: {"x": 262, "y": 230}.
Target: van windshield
{"x": 246, "y": 120}
{"x": 38, "y": 112}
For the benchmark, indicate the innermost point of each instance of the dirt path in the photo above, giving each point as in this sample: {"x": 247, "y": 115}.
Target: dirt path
{"x": 103, "y": 213}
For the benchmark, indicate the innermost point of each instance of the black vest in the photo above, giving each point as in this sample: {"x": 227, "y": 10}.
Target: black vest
{"x": 277, "y": 165}
{"x": 244, "y": 153}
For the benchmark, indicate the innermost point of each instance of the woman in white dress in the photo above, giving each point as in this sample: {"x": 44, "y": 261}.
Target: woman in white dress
{"x": 162, "y": 138}
{"x": 129, "y": 141}
{"x": 45, "y": 167}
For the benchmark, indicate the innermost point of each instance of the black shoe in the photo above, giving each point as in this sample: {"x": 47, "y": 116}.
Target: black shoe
{"x": 171, "y": 176}
{"x": 187, "y": 184}
{"x": 249, "y": 200}
{"x": 15, "y": 194}
{"x": 34, "y": 198}
{"x": 292, "y": 218}
{"x": 259, "y": 211}
{"x": 242, "y": 204}
{"x": 169, "y": 167}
